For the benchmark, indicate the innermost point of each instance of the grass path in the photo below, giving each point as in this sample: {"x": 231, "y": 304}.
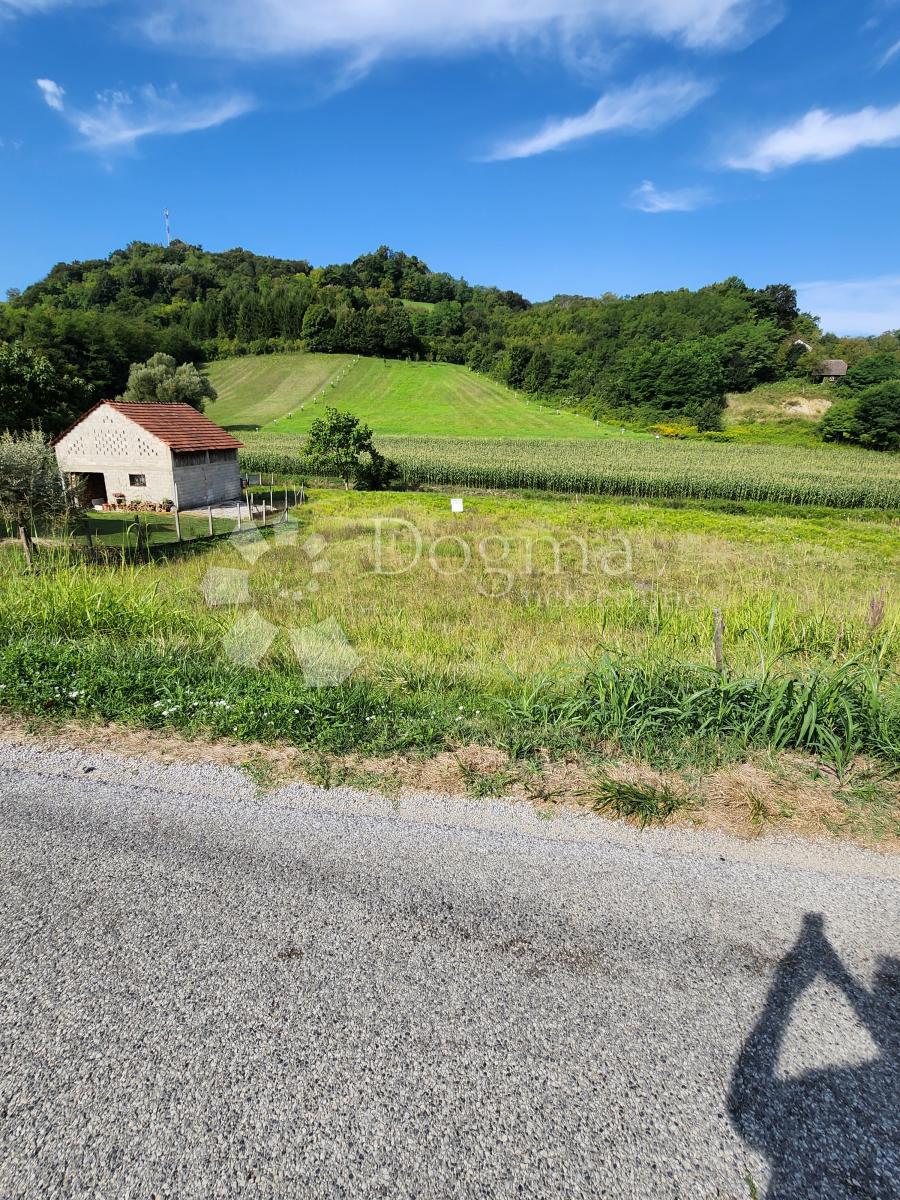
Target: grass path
{"x": 437, "y": 399}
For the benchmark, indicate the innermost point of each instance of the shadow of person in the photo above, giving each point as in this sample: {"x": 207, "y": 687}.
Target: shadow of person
{"x": 833, "y": 1132}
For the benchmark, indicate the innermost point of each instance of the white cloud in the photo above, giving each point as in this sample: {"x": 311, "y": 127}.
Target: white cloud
{"x": 649, "y": 199}
{"x": 646, "y": 104}
{"x": 819, "y": 136}
{"x": 889, "y": 55}
{"x": 860, "y": 306}
{"x": 28, "y": 7}
{"x": 53, "y": 94}
{"x": 120, "y": 119}
{"x": 381, "y": 27}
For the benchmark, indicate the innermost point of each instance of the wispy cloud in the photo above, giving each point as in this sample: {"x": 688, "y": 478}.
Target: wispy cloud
{"x": 857, "y": 306}
{"x": 821, "y": 135}
{"x": 646, "y": 104}
{"x": 889, "y": 55}
{"x": 53, "y": 94}
{"x": 120, "y": 118}
{"x": 649, "y": 199}
{"x": 383, "y": 27}
{"x": 24, "y": 8}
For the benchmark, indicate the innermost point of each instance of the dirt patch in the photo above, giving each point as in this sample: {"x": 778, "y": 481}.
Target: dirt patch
{"x": 803, "y": 406}
{"x": 766, "y": 795}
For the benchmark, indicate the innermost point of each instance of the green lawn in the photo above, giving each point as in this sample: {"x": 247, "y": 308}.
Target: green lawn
{"x": 277, "y": 393}
{"x": 118, "y": 529}
{"x": 255, "y": 390}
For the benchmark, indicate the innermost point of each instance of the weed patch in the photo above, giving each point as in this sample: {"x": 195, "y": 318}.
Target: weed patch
{"x": 644, "y": 803}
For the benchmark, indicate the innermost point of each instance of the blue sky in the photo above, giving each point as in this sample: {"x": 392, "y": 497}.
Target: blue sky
{"x": 544, "y": 145}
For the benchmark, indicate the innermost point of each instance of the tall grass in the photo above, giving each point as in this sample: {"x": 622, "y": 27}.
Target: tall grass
{"x": 811, "y": 642}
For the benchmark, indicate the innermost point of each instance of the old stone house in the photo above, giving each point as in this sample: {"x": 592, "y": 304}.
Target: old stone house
{"x": 151, "y": 452}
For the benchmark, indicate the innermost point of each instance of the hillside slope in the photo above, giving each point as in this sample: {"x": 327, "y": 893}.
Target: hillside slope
{"x": 284, "y": 393}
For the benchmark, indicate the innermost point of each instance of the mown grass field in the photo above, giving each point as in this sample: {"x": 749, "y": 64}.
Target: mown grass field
{"x": 837, "y": 477}
{"x": 392, "y": 397}
{"x": 253, "y": 391}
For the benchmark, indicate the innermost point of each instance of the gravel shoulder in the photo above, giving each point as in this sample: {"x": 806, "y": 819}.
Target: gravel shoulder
{"x": 209, "y": 990}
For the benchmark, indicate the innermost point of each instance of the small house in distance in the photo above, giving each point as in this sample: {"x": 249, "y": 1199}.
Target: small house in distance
{"x": 830, "y": 370}
{"x": 150, "y": 452}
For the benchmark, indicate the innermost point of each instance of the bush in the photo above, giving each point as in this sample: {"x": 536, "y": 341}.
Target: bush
{"x": 869, "y": 418}
{"x": 877, "y": 368}
{"x": 839, "y": 423}
{"x": 878, "y": 416}
{"x": 31, "y": 490}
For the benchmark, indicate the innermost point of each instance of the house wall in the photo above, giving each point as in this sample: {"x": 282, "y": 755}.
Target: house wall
{"x": 108, "y": 443}
{"x": 205, "y": 483}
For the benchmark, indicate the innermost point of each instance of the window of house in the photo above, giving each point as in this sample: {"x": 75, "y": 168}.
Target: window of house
{"x": 137, "y": 480}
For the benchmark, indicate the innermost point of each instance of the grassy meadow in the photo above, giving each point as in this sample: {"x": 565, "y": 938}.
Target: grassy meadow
{"x": 277, "y": 392}
{"x": 518, "y": 623}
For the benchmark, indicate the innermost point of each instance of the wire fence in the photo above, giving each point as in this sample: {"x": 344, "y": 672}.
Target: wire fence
{"x": 140, "y": 535}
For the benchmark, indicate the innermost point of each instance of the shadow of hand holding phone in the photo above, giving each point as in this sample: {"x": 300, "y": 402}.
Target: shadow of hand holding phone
{"x": 832, "y": 1132}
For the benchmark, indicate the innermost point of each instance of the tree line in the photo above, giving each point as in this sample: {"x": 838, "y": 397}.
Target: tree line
{"x": 72, "y": 337}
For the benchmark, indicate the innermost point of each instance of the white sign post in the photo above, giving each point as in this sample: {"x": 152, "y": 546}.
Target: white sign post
{"x": 456, "y": 506}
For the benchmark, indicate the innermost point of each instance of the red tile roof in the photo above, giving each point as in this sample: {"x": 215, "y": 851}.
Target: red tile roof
{"x": 180, "y": 426}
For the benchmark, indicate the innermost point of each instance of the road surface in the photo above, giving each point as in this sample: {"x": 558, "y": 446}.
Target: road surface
{"x": 208, "y": 992}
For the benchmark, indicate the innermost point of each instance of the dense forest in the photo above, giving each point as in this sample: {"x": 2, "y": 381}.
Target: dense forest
{"x": 70, "y": 339}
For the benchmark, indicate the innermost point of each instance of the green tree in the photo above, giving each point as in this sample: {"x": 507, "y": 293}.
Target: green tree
{"x": 878, "y": 416}
{"x": 31, "y": 490}
{"x": 749, "y": 354}
{"x": 839, "y": 423}
{"x": 339, "y": 445}
{"x": 33, "y": 394}
{"x": 877, "y": 368}
{"x": 681, "y": 379}
{"x": 318, "y": 324}
{"x": 537, "y": 376}
{"x": 160, "y": 381}
{"x": 515, "y": 365}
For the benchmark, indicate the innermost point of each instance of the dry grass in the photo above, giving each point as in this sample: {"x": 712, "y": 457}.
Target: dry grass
{"x": 770, "y": 795}
{"x": 779, "y": 402}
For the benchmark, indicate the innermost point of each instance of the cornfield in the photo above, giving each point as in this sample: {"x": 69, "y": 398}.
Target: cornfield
{"x": 826, "y": 476}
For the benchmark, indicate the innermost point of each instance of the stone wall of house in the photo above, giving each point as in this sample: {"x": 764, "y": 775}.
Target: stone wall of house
{"x": 109, "y": 444}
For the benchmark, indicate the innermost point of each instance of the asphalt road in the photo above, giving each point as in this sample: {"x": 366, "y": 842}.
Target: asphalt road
{"x": 209, "y": 993}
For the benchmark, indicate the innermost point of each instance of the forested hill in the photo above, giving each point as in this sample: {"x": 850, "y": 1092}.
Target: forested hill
{"x": 663, "y": 354}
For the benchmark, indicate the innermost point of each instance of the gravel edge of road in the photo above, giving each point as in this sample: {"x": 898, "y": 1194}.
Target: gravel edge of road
{"x": 499, "y": 816}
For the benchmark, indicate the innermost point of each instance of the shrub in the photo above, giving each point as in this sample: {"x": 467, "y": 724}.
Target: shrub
{"x": 31, "y": 490}
{"x": 870, "y": 417}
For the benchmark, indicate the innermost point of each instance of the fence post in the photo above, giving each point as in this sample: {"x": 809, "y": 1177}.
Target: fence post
{"x": 26, "y": 544}
{"x": 177, "y": 506}
{"x": 209, "y": 515}
{"x": 302, "y": 493}
{"x": 718, "y": 640}
{"x": 239, "y": 514}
